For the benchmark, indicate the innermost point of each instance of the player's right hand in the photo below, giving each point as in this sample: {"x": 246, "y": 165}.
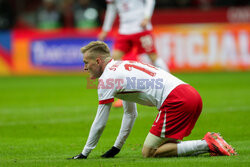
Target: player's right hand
{"x": 79, "y": 156}
{"x": 102, "y": 35}
{"x": 145, "y": 22}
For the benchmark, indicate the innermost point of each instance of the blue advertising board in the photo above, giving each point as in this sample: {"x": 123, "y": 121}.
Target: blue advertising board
{"x": 59, "y": 53}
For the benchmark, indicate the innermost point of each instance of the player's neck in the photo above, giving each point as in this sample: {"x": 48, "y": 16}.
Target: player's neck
{"x": 106, "y": 61}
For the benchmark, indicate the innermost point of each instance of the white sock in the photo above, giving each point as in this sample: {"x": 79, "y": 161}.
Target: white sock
{"x": 193, "y": 147}
{"x": 161, "y": 64}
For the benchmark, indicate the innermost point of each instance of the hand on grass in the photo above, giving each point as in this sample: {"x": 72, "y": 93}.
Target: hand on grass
{"x": 111, "y": 153}
{"x": 79, "y": 156}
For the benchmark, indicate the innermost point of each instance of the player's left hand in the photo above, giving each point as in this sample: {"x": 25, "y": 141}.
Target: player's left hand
{"x": 111, "y": 153}
{"x": 79, "y": 156}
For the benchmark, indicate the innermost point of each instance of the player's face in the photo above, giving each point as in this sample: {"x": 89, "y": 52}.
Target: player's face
{"x": 92, "y": 67}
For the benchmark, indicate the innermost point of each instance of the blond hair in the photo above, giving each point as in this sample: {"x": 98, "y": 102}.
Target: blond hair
{"x": 97, "y": 49}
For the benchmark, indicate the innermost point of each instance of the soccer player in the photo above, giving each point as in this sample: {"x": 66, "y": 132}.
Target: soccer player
{"x": 135, "y": 28}
{"x": 179, "y": 106}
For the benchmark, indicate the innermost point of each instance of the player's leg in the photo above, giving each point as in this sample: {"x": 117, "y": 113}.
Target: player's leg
{"x": 177, "y": 117}
{"x": 155, "y": 145}
{"x": 183, "y": 107}
{"x": 212, "y": 143}
{"x": 151, "y": 144}
{"x": 157, "y": 61}
{"x": 146, "y": 45}
{"x": 192, "y": 148}
{"x": 117, "y": 54}
{"x": 186, "y": 148}
{"x": 181, "y": 115}
{"x": 166, "y": 150}
{"x": 122, "y": 45}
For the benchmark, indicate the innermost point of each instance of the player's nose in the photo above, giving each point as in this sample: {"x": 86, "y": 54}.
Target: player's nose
{"x": 85, "y": 68}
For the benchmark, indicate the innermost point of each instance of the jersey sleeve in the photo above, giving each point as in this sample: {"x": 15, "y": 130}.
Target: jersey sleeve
{"x": 97, "y": 128}
{"x": 149, "y": 8}
{"x": 105, "y": 93}
{"x": 110, "y": 16}
{"x": 129, "y": 116}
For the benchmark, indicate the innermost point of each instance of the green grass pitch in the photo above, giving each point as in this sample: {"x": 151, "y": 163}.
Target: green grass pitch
{"x": 44, "y": 120}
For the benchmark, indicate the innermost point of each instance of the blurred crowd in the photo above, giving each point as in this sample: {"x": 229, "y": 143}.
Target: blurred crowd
{"x": 52, "y": 14}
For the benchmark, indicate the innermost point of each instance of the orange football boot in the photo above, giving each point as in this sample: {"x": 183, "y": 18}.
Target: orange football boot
{"x": 117, "y": 103}
{"x": 218, "y": 146}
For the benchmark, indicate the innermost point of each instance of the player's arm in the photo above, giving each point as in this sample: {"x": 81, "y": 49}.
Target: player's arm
{"x": 129, "y": 116}
{"x": 97, "y": 127}
{"x": 148, "y": 12}
{"x": 96, "y": 130}
{"x": 110, "y": 16}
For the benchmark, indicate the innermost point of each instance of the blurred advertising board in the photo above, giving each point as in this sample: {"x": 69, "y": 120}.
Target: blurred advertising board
{"x": 184, "y": 47}
{"x": 5, "y": 53}
{"x": 50, "y": 52}
{"x": 208, "y": 47}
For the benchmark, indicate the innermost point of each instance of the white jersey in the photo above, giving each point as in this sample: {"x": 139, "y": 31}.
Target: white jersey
{"x": 131, "y": 14}
{"x": 135, "y": 82}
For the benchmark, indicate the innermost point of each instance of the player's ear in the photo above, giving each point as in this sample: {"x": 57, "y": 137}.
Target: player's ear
{"x": 98, "y": 61}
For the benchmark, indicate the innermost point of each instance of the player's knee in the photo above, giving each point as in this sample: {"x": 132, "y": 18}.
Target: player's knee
{"x": 151, "y": 144}
{"x": 147, "y": 152}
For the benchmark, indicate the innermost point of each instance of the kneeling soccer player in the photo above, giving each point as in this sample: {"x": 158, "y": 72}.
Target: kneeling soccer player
{"x": 178, "y": 103}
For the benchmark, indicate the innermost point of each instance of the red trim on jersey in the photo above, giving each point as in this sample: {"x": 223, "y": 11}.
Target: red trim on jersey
{"x": 129, "y": 92}
{"x": 109, "y": 61}
{"x": 106, "y": 101}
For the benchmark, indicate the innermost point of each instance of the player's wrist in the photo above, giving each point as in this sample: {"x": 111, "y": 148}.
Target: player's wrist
{"x": 116, "y": 149}
{"x": 104, "y": 32}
